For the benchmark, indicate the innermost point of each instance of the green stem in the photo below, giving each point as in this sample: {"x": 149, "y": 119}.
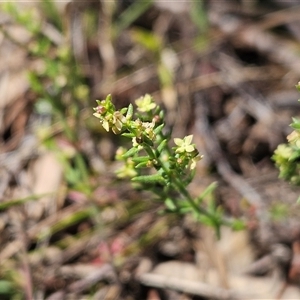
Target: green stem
{"x": 182, "y": 190}
{"x": 199, "y": 210}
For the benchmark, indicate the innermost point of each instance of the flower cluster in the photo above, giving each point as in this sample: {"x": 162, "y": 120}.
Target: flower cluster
{"x": 146, "y": 135}
{"x": 143, "y": 130}
{"x": 145, "y": 104}
{"x": 287, "y": 156}
{"x": 109, "y": 116}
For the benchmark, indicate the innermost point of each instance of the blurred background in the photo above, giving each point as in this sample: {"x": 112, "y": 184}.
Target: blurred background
{"x": 224, "y": 71}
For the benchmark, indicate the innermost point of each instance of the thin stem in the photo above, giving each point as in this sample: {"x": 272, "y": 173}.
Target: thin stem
{"x": 181, "y": 188}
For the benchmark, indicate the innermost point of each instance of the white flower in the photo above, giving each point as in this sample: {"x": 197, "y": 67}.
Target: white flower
{"x": 184, "y": 145}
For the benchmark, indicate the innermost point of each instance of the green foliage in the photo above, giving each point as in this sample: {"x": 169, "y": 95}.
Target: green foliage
{"x": 52, "y": 13}
{"x": 68, "y": 221}
{"x": 13, "y": 202}
{"x": 147, "y": 39}
{"x": 279, "y": 211}
{"x": 6, "y": 287}
{"x": 59, "y": 87}
{"x": 287, "y": 156}
{"x": 153, "y": 164}
{"x": 11, "y": 283}
{"x": 199, "y": 15}
{"x": 26, "y": 18}
{"x": 132, "y": 13}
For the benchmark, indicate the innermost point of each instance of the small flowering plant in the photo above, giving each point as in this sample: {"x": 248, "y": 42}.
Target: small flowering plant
{"x": 153, "y": 164}
{"x": 287, "y": 156}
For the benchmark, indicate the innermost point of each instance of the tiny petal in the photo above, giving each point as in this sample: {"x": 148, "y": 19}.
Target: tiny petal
{"x": 118, "y": 115}
{"x": 97, "y": 115}
{"x": 105, "y": 125}
{"x": 189, "y": 148}
{"x": 293, "y": 137}
{"x": 188, "y": 139}
{"x": 193, "y": 164}
{"x": 100, "y": 109}
{"x": 119, "y": 125}
{"x": 115, "y": 130}
{"x": 178, "y": 141}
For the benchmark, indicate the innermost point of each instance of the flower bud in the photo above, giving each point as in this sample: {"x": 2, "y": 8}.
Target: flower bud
{"x": 156, "y": 119}
{"x": 100, "y": 109}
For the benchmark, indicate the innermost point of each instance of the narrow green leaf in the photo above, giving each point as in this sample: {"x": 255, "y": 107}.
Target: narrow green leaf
{"x": 161, "y": 146}
{"x": 127, "y": 134}
{"x": 51, "y": 11}
{"x": 142, "y": 164}
{"x": 294, "y": 156}
{"x": 170, "y": 204}
{"x": 207, "y": 192}
{"x": 156, "y": 178}
{"x": 13, "y": 202}
{"x": 184, "y": 210}
{"x": 149, "y": 151}
{"x": 123, "y": 110}
{"x": 147, "y": 39}
{"x": 130, "y": 152}
{"x": 68, "y": 221}
{"x": 295, "y": 124}
{"x": 184, "y": 207}
{"x": 140, "y": 159}
{"x": 147, "y": 140}
{"x": 129, "y": 111}
{"x": 199, "y": 15}
{"x": 206, "y": 220}
{"x": 211, "y": 206}
{"x": 108, "y": 98}
{"x": 159, "y": 128}
{"x": 162, "y": 114}
{"x": 133, "y": 12}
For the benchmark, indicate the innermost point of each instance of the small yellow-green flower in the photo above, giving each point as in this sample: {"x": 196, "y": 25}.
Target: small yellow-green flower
{"x": 127, "y": 170}
{"x": 294, "y": 138}
{"x": 117, "y": 122}
{"x": 145, "y": 104}
{"x": 184, "y": 145}
{"x": 119, "y": 153}
{"x": 282, "y": 154}
{"x": 149, "y": 129}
